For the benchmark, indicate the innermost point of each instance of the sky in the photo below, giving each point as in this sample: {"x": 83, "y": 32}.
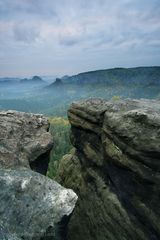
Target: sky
{"x": 65, "y": 37}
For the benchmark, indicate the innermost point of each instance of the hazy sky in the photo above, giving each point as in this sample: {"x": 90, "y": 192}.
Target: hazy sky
{"x": 60, "y": 37}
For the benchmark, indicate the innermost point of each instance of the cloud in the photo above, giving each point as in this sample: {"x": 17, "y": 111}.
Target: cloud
{"x": 20, "y": 8}
{"x": 69, "y": 41}
{"x": 63, "y": 28}
{"x": 25, "y": 33}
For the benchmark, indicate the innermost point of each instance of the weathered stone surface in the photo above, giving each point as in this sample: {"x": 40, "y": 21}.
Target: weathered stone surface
{"x": 115, "y": 170}
{"x": 32, "y": 205}
{"x": 24, "y": 141}
{"x": 5, "y": 235}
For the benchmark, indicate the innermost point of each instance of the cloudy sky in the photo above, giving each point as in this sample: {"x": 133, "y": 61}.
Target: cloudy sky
{"x": 60, "y": 37}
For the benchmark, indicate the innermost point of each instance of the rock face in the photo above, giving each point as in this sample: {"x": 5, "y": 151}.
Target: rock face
{"x": 115, "y": 170}
{"x": 24, "y": 141}
{"x": 32, "y": 206}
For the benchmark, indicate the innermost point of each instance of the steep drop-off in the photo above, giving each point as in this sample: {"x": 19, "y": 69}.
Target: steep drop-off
{"x": 114, "y": 169}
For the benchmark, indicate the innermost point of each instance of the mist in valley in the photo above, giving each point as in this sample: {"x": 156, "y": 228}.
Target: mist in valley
{"x": 53, "y": 97}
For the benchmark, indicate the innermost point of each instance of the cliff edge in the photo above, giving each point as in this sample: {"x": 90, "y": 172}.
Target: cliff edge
{"x": 114, "y": 169}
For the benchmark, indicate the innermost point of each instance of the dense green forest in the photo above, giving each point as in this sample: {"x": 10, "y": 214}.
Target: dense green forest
{"x": 59, "y": 128}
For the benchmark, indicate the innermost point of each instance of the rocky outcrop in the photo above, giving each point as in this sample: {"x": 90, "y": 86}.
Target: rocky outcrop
{"x": 32, "y": 206}
{"x": 24, "y": 141}
{"x": 114, "y": 169}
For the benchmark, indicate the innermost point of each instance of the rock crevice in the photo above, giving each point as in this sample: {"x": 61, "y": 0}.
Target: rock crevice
{"x": 32, "y": 206}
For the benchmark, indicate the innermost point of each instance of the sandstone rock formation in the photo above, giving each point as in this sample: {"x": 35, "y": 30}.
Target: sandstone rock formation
{"x": 115, "y": 170}
{"x": 24, "y": 141}
{"x": 32, "y": 206}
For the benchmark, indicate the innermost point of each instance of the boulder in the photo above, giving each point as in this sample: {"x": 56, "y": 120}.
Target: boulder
{"x": 114, "y": 169}
{"x": 33, "y": 206}
{"x": 24, "y": 141}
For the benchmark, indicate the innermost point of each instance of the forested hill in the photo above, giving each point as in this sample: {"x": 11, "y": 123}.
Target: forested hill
{"x": 138, "y": 75}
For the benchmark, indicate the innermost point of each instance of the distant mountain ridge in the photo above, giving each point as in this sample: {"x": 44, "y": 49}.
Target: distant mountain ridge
{"x": 53, "y": 99}
{"x": 2, "y": 79}
{"x": 34, "y": 79}
{"x": 57, "y": 83}
{"x": 137, "y": 75}
{"x": 8, "y": 80}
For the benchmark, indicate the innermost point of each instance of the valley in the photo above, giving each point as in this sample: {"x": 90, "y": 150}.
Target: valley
{"x": 35, "y": 95}
{"x": 39, "y": 96}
